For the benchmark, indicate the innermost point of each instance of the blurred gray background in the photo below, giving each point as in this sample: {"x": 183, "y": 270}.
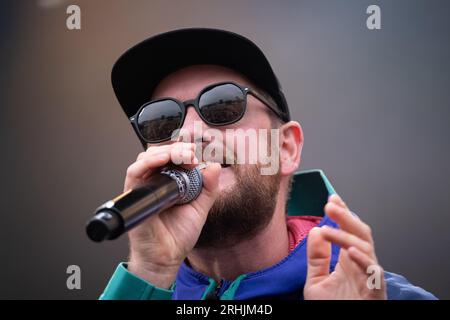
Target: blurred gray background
{"x": 374, "y": 106}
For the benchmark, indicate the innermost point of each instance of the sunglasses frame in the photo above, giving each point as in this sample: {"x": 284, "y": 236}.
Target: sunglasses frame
{"x": 195, "y": 103}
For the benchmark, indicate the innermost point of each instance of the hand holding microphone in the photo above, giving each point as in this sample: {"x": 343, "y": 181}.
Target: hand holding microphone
{"x": 159, "y": 244}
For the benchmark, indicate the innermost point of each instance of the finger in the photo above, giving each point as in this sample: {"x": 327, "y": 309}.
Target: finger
{"x": 347, "y": 221}
{"x": 183, "y": 154}
{"x": 368, "y": 266}
{"x": 167, "y": 147}
{"x": 363, "y": 260}
{"x": 335, "y": 198}
{"x": 138, "y": 169}
{"x": 346, "y": 239}
{"x": 154, "y": 150}
{"x": 319, "y": 254}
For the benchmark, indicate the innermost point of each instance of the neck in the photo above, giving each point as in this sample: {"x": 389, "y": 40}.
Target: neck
{"x": 267, "y": 248}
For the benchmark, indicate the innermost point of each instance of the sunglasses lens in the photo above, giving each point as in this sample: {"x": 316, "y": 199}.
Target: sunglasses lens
{"x": 222, "y": 104}
{"x": 159, "y": 119}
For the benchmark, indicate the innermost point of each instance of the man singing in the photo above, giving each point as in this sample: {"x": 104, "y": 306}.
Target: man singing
{"x": 250, "y": 234}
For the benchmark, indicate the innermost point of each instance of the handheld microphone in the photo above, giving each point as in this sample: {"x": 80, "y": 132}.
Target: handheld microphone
{"x": 171, "y": 186}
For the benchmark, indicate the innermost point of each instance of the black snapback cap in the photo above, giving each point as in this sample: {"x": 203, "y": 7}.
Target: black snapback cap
{"x": 138, "y": 71}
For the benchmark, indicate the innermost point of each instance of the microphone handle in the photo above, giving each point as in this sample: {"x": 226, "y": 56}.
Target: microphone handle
{"x": 127, "y": 210}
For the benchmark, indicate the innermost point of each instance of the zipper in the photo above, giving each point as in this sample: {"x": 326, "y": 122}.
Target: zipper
{"x": 214, "y": 295}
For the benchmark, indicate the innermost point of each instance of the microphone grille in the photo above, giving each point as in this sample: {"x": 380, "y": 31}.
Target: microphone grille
{"x": 195, "y": 184}
{"x": 189, "y": 182}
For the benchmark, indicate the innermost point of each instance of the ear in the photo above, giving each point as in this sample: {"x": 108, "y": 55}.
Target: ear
{"x": 291, "y": 144}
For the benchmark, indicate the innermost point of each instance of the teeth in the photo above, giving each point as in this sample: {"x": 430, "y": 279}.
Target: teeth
{"x": 202, "y": 166}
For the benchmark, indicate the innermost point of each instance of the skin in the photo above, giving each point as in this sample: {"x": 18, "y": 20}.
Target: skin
{"x": 160, "y": 245}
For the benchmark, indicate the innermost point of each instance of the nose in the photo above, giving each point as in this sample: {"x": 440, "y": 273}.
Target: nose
{"x": 193, "y": 127}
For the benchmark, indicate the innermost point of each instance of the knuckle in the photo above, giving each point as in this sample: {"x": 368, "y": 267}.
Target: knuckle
{"x": 150, "y": 149}
{"x": 141, "y": 155}
{"x": 178, "y": 144}
{"x": 367, "y": 247}
{"x": 347, "y": 238}
{"x": 175, "y": 148}
{"x": 185, "y": 145}
{"x": 156, "y": 149}
{"x": 131, "y": 171}
{"x": 367, "y": 229}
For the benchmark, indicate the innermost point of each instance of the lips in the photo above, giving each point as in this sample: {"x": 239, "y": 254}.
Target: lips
{"x": 223, "y": 165}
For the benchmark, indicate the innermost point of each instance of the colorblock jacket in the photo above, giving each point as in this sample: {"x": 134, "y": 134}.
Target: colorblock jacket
{"x": 284, "y": 280}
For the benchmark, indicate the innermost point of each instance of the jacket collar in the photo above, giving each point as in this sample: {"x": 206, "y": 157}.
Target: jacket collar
{"x": 286, "y": 279}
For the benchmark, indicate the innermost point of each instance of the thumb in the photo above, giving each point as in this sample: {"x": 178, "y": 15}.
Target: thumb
{"x": 209, "y": 192}
{"x": 319, "y": 255}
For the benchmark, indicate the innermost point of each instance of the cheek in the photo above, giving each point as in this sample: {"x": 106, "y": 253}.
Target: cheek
{"x": 253, "y": 146}
{"x": 227, "y": 179}
{"x": 241, "y": 144}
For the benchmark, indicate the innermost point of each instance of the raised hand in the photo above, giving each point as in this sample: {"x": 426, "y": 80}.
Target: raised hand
{"x": 357, "y": 259}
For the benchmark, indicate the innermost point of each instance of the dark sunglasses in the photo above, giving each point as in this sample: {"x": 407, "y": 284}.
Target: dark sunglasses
{"x": 219, "y": 104}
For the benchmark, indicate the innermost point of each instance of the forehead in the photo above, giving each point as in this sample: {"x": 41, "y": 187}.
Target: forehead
{"x": 186, "y": 83}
